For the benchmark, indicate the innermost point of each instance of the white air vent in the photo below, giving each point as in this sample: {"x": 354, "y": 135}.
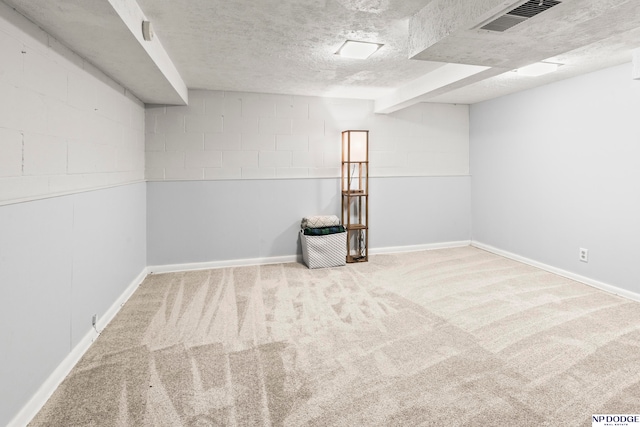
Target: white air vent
{"x": 519, "y": 14}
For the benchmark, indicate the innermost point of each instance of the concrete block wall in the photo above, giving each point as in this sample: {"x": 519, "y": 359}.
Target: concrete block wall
{"x": 64, "y": 125}
{"x": 235, "y": 135}
{"x": 72, "y": 207}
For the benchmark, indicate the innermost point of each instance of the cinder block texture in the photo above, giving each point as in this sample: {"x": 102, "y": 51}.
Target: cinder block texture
{"x": 64, "y": 125}
{"x": 237, "y": 135}
{"x": 11, "y": 142}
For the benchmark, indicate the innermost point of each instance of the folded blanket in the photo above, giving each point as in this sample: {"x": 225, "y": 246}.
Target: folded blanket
{"x": 323, "y": 231}
{"x": 319, "y": 221}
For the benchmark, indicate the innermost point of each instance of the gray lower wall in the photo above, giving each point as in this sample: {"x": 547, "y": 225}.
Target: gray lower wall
{"x": 61, "y": 260}
{"x": 202, "y": 221}
{"x": 555, "y": 169}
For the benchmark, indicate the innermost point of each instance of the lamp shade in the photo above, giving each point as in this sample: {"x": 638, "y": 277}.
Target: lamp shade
{"x": 355, "y": 145}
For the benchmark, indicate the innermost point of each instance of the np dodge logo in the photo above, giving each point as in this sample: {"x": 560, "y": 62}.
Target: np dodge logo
{"x": 615, "y": 420}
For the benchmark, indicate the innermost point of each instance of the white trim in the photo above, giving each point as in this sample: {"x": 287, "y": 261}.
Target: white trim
{"x": 172, "y": 268}
{"x": 108, "y": 315}
{"x": 337, "y": 177}
{"x": 45, "y": 391}
{"x": 47, "y": 388}
{"x": 560, "y": 272}
{"x": 415, "y": 248}
{"x": 67, "y": 193}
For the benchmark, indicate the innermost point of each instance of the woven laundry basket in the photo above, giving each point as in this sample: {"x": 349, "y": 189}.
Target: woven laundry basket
{"x": 324, "y": 251}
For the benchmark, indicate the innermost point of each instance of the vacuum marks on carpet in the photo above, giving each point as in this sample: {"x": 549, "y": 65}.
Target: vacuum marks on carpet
{"x": 447, "y": 337}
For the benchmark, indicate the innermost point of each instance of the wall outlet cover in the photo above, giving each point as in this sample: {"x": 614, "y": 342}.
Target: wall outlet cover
{"x": 583, "y": 255}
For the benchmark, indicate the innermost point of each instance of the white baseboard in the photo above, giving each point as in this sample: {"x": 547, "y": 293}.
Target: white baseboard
{"x": 560, "y": 272}
{"x": 415, "y": 248}
{"x": 49, "y": 386}
{"x": 108, "y": 315}
{"x": 171, "y": 268}
{"x": 45, "y": 391}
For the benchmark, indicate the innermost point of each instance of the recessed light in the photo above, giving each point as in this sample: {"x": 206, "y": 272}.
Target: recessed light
{"x": 537, "y": 69}
{"x": 358, "y": 50}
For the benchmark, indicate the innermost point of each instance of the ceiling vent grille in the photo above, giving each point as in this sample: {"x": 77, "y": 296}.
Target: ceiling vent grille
{"x": 519, "y": 14}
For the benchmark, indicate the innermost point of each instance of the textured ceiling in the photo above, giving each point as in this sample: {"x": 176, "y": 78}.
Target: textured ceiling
{"x": 288, "y": 46}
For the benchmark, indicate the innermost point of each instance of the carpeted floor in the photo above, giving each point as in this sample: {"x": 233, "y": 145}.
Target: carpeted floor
{"x": 453, "y": 337}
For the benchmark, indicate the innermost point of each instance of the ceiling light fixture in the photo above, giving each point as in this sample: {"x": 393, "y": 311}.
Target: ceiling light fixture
{"x": 358, "y": 50}
{"x": 537, "y": 69}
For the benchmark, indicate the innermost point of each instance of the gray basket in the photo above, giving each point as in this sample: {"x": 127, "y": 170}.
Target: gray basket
{"x": 324, "y": 251}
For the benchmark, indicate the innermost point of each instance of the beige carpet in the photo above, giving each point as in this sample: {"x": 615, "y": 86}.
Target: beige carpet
{"x": 454, "y": 337}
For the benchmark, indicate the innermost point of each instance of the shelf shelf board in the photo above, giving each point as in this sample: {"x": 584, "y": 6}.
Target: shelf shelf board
{"x": 353, "y": 258}
{"x": 354, "y": 186}
{"x": 356, "y": 227}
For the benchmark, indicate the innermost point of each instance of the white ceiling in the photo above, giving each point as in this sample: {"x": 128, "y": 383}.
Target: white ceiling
{"x": 431, "y": 50}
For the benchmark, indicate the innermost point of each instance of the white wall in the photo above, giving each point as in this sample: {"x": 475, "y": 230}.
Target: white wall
{"x": 72, "y": 204}
{"x": 64, "y": 125}
{"x": 232, "y": 135}
{"x": 252, "y": 165}
{"x": 555, "y": 169}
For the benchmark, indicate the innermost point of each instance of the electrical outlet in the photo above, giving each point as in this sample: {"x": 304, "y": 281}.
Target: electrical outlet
{"x": 94, "y": 320}
{"x": 583, "y": 255}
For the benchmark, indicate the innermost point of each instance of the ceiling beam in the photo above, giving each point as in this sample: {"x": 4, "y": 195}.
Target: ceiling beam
{"x": 132, "y": 16}
{"x": 442, "y": 18}
{"x": 415, "y": 91}
{"x": 108, "y": 35}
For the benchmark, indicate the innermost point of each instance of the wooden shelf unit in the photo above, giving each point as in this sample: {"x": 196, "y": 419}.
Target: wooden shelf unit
{"x": 355, "y": 193}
